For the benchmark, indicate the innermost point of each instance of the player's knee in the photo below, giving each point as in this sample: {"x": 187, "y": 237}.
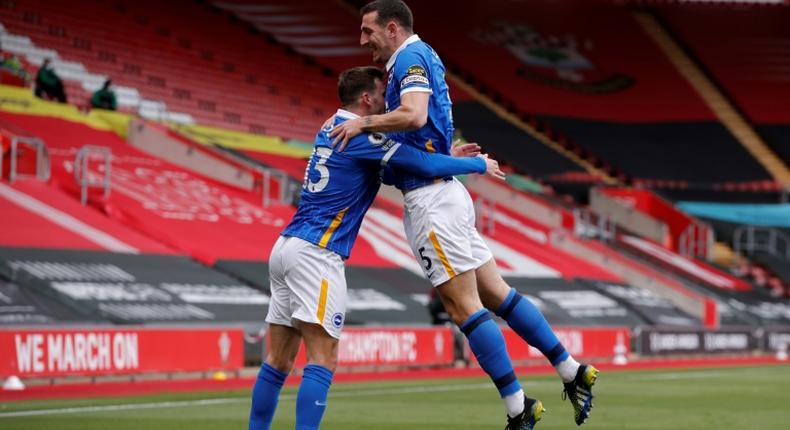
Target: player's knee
{"x": 493, "y": 295}
{"x": 491, "y": 286}
{"x": 283, "y": 364}
{"x": 327, "y": 360}
{"x": 322, "y": 349}
{"x": 330, "y": 365}
{"x": 462, "y": 308}
{"x": 460, "y": 297}
{"x": 458, "y": 316}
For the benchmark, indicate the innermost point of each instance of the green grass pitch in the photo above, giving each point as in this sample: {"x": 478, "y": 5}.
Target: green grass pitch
{"x": 724, "y": 398}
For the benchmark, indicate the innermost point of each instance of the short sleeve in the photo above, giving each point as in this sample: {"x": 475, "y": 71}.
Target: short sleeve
{"x": 412, "y": 72}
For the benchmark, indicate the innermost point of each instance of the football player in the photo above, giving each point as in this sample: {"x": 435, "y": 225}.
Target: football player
{"x": 439, "y": 218}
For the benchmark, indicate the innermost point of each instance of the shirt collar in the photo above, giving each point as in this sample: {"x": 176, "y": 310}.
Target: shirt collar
{"x": 342, "y": 113}
{"x": 413, "y": 38}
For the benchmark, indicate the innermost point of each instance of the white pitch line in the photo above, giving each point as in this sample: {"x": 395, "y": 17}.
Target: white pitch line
{"x": 113, "y": 408}
{"x": 222, "y": 401}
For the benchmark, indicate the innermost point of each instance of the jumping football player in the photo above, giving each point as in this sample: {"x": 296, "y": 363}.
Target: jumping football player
{"x": 456, "y": 259}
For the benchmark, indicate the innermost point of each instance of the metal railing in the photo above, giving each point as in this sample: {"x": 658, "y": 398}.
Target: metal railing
{"x": 82, "y": 175}
{"x": 589, "y": 225}
{"x": 43, "y": 169}
{"x": 696, "y": 241}
{"x": 287, "y": 186}
{"x": 749, "y": 239}
{"x": 485, "y": 213}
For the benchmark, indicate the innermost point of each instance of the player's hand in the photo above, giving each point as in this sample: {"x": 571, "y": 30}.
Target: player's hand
{"x": 492, "y": 167}
{"x": 465, "y": 150}
{"x": 344, "y": 132}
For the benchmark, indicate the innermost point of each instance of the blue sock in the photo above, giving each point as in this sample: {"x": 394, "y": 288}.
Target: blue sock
{"x": 265, "y": 395}
{"x": 311, "y": 399}
{"x": 488, "y": 345}
{"x": 523, "y": 317}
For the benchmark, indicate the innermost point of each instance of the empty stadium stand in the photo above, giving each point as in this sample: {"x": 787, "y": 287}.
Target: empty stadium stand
{"x": 240, "y": 82}
{"x": 745, "y": 49}
{"x": 666, "y": 151}
{"x": 574, "y": 58}
{"x": 592, "y": 73}
{"x": 186, "y": 211}
{"x": 159, "y": 199}
{"x": 778, "y": 137}
{"x": 740, "y": 51}
{"x": 38, "y": 215}
{"x": 510, "y": 144}
{"x": 187, "y": 247}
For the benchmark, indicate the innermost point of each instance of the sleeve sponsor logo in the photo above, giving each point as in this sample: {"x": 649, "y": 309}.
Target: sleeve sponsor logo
{"x": 416, "y": 70}
{"x": 409, "y": 80}
{"x": 381, "y": 140}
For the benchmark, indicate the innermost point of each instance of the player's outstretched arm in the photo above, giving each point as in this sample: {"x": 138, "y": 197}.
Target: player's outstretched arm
{"x": 378, "y": 148}
{"x": 410, "y": 115}
{"x": 431, "y": 165}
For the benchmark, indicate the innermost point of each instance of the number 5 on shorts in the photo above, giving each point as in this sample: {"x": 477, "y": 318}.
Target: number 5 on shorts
{"x": 427, "y": 260}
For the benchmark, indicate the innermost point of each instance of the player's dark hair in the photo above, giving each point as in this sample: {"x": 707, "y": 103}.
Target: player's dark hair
{"x": 390, "y": 10}
{"x": 353, "y": 82}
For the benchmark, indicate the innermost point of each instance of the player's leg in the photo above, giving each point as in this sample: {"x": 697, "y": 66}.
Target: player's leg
{"x": 320, "y": 307}
{"x": 317, "y": 377}
{"x": 530, "y": 324}
{"x": 459, "y": 295}
{"x": 283, "y": 338}
{"x": 284, "y": 345}
{"x": 524, "y": 318}
{"x": 440, "y": 244}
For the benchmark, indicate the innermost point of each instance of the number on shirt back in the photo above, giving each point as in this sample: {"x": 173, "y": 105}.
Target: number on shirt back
{"x": 320, "y": 165}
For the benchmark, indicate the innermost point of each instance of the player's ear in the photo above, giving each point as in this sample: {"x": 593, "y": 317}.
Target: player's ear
{"x": 392, "y": 29}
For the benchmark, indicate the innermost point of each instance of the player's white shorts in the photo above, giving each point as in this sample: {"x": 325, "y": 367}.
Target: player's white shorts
{"x": 308, "y": 284}
{"x": 439, "y": 220}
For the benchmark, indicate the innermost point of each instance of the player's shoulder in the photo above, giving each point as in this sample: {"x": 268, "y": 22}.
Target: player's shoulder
{"x": 410, "y": 55}
{"x": 417, "y": 61}
{"x": 322, "y": 137}
{"x": 371, "y": 141}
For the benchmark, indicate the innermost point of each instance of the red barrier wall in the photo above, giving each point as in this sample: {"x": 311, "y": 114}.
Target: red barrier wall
{"x": 49, "y": 352}
{"x": 385, "y": 346}
{"x": 580, "y": 342}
